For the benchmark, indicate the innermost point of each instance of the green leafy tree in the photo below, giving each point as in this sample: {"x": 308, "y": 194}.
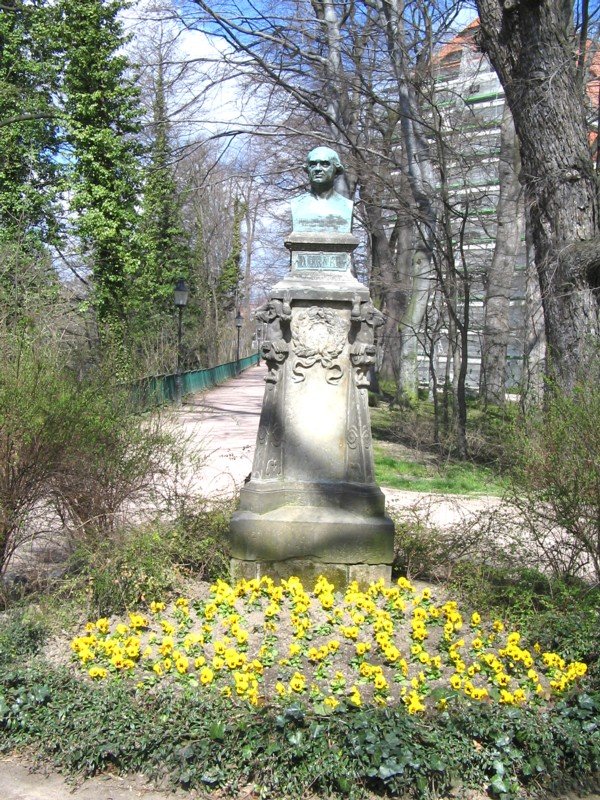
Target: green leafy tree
{"x": 230, "y": 277}
{"x": 165, "y": 245}
{"x": 103, "y": 176}
{"x": 28, "y": 122}
{"x": 199, "y": 330}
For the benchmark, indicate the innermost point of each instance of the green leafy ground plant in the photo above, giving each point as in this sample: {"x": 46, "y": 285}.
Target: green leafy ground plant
{"x": 201, "y": 741}
{"x": 230, "y": 688}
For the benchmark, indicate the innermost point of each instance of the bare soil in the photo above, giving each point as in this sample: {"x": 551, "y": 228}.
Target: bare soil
{"x": 18, "y": 781}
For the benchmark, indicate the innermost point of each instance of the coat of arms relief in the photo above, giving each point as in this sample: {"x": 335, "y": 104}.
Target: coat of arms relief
{"x": 318, "y": 337}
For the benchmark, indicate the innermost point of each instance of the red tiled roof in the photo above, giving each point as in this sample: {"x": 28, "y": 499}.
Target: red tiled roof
{"x": 463, "y": 39}
{"x": 466, "y": 39}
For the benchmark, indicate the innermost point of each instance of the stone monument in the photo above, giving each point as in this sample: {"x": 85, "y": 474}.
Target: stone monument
{"x": 311, "y": 505}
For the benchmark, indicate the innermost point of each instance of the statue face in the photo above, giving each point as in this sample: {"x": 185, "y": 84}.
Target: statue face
{"x": 321, "y": 169}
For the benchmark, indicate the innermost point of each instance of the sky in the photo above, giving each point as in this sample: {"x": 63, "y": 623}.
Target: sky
{"x": 223, "y": 105}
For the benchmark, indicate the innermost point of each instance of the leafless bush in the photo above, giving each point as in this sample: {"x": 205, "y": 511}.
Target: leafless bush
{"x": 437, "y": 533}
{"x": 556, "y": 477}
{"x": 111, "y": 467}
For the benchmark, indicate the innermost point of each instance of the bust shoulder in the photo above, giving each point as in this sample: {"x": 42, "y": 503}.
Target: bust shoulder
{"x": 313, "y": 213}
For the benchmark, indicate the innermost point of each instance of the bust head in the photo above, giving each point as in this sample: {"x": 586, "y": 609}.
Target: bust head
{"x": 323, "y": 165}
{"x": 322, "y": 209}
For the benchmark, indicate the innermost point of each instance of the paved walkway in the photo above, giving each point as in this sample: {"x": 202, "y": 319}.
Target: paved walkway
{"x": 221, "y": 426}
{"x": 18, "y": 782}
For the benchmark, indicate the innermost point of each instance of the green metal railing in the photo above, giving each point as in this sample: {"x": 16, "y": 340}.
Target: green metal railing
{"x": 160, "y": 389}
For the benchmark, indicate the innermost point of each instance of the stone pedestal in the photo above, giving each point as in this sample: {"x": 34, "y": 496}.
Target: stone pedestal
{"x": 312, "y": 506}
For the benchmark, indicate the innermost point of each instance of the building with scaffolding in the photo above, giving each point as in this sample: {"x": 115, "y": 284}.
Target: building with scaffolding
{"x": 469, "y": 106}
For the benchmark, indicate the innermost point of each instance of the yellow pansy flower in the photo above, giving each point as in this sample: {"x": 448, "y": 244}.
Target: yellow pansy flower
{"x": 354, "y": 696}
{"x": 297, "y": 682}
{"x": 97, "y": 673}
{"x": 206, "y": 676}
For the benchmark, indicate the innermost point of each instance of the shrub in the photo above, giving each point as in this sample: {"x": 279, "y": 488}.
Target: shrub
{"x": 141, "y": 563}
{"x": 199, "y": 541}
{"x": 415, "y": 428}
{"x": 34, "y": 428}
{"x": 78, "y": 443}
{"x": 424, "y": 550}
{"x": 120, "y": 572}
{"x": 111, "y": 460}
{"x": 22, "y": 634}
{"x": 556, "y": 478}
{"x": 420, "y": 551}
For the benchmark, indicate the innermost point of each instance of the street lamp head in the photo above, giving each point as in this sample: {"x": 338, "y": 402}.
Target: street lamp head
{"x": 181, "y": 293}
{"x": 239, "y": 320}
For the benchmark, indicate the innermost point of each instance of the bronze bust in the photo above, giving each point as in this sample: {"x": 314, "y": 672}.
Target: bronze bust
{"x": 322, "y": 208}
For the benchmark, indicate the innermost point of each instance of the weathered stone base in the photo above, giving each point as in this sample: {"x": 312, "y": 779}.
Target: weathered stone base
{"x": 315, "y": 533}
{"x": 340, "y": 575}
{"x": 261, "y": 497}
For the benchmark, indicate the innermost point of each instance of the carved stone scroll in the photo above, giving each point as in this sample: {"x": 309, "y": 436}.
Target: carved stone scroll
{"x": 365, "y": 321}
{"x": 362, "y": 357}
{"x": 277, "y": 315}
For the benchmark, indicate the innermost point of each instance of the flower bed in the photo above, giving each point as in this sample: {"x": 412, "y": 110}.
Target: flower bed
{"x": 262, "y": 643}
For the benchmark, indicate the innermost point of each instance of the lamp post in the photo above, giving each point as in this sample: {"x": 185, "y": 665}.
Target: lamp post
{"x": 239, "y": 321}
{"x": 180, "y": 298}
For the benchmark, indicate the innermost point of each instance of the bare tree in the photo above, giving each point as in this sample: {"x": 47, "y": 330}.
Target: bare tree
{"x": 533, "y": 48}
{"x": 353, "y": 70}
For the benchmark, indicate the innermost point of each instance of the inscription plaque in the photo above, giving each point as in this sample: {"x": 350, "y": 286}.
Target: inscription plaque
{"x": 325, "y": 262}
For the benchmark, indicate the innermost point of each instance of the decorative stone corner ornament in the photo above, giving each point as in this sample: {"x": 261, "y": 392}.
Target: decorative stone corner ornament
{"x": 312, "y": 505}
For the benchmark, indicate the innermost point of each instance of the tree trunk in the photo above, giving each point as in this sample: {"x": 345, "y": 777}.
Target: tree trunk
{"x": 412, "y": 321}
{"x": 500, "y": 275}
{"x": 534, "y": 355}
{"x": 532, "y": 47}
{"x": 384, "y": 285}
